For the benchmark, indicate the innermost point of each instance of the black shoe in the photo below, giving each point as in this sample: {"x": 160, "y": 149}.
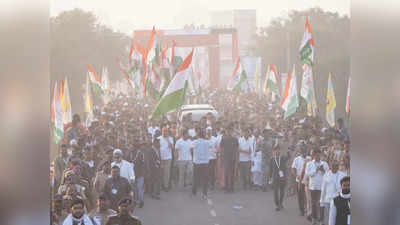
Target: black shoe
{"x": 309, "y": 218}
{"x": 277, "y": 208}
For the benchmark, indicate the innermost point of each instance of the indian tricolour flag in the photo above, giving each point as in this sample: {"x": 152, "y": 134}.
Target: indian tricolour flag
{"x": 88, "y": 103}
{"x": 239, "y": 77}
{"x": 174, "y": 96}
{"x": 95, "y": 82}
{"x": 307, "y": 46}
{"x": 330, "y": 103}
{"x": 176, "y": 59}
{"x": 290, "y": 101}
{"x": 57, "y": 117}
{"x": 271, "y": 82}
{"x": 306, "y": 90}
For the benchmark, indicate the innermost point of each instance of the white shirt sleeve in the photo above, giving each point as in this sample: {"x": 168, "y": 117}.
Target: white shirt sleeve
{"x": 332, "y": 214}
{"x": 294, "y": 163}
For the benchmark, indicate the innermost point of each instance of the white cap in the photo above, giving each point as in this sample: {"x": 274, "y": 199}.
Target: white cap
{"x": 117, "y": 151}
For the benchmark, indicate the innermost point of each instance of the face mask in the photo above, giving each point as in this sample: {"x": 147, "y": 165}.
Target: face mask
{"x": 346, "y": 191}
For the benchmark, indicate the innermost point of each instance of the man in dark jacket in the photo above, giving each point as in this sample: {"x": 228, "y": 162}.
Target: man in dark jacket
{"x": 278, "y": 175}
{"x": 123, "y": 217}
{"x": 339, "y": 211}
{"x": 117, "y": 187}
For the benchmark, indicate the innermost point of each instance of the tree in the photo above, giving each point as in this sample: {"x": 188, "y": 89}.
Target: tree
{"x": 77, "y": 39}
{"x": 279, "y": 43}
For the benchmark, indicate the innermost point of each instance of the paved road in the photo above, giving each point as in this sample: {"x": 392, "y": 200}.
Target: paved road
{"x": 255, "y": 208}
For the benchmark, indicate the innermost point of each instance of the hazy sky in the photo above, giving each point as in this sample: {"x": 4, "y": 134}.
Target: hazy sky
{"x": 126, "y": 16}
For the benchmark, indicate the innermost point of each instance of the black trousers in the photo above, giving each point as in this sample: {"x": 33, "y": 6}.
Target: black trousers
{"x": 315, "y": 208}
{"x": 212, "y": 170}
{"x": 155, "y": 182}
{"x": 301, "y": 196}
{"x": 279, "y": 192}
{"x": 245, "y": 173}
{"x": 229, "y": 174}
{"x": 200, "y": 178}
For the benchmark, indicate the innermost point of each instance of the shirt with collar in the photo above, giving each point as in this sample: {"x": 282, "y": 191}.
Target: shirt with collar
{"x": 315, "y": 174}
{"x": 165, "y": 150}
{"x": 245, "y": 145}
{"x": 298, "y": 164}
{"x": 183, "y": 148}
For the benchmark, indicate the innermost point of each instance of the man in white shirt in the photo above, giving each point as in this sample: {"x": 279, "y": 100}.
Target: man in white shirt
{"x": 330, "y": 187}
{"x": 212, "y": 165}
{"x": 297, "y": 169}
{"x": 316, "y": 170}
{"x": 166, "y": 146}
{"x": 246, "y": 147}
{"x": 184, "y": 159}
{"x": 126, "y": 168}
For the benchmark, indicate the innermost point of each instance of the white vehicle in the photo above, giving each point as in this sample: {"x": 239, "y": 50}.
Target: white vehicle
{"x": 197, "y": 111}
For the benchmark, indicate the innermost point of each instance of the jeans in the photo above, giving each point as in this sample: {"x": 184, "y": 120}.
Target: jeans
{"x": 165, "y": 168}
{"x": 245, "y": 173}
{"x": 185, "y": 168}
{"x": 200, "y": 178}
{"x": 315, "y": 205}
{"x": 140, "y": 188}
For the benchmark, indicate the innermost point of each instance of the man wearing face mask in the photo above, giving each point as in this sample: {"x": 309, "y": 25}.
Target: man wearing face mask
{"x": 340, "y": 206}
{"x": 77, "y": 216}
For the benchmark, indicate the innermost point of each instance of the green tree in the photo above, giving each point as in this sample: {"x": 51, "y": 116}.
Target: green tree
{"x": 77, "y": 39}
{"x": 279, "y": 43}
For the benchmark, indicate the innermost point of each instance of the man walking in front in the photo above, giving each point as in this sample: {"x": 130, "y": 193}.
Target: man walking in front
{"x": 229, "y": 146}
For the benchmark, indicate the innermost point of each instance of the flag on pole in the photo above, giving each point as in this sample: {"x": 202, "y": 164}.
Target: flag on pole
{"x": 306, "y": 90}
{"x": 95, "y": 82}
{"x": 239, "y": 77}
{"x": 124, "y": 72}
{"x": 330, "y": 103}
{"x": 66, "y": 104}
{"x": 348, "y": 96}
{"x": 88, "y": 103}
{"x": 290, "y": 101}
{"x": 174, "y": 96}
{"x": 307, "y": 46}
{"x": 271, "y": 82}
{"x": 57, "y": 117}
{"x": 176, "y": 59}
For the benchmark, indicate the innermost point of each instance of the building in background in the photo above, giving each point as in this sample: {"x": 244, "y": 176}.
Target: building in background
{"x": 245, "y": 23}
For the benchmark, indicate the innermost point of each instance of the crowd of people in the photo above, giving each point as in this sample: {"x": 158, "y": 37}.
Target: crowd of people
{"x": 106, "y": 166}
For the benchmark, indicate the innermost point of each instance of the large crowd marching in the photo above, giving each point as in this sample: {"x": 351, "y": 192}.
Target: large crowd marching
{"x": 106, "y": 166}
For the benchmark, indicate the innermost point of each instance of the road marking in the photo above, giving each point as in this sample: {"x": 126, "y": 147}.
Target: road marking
{"x": 209, "y": 201}
{"x": 213, "y": 213}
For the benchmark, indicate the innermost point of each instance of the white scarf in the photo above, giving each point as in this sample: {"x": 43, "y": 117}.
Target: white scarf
{"x": 85, "y": 219}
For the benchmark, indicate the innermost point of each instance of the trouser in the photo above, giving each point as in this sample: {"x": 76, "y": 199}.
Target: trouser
{"x": 185, "y": 168}
{"x": 155, "y": 181}
{"x": 244, "y": 169}
{"x": 308, "y": 200}
{"x": 265, "y": 172}
{"x": 279, "y": 192}
{"x": 165, "y": 168}
{"x": 139, "y": 189}
{"x": 229, "y": 173}
{"x": 315, "y": 208}
{"x": 257, "y": 178}
{"x": 200, "y": 178}
{"x": 300, "y": 196}
{"x": 325, "y": 215}
{"x": 212, "y": 170}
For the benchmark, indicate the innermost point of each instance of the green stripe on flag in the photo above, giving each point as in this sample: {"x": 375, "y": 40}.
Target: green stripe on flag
{"x": 170, "y": 102}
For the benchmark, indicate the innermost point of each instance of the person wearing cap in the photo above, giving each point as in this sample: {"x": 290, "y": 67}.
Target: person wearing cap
{"x": 117, "y": 187}
{"x": 297, "y": 168}
{"x": 126, "y": 168}
{"x": 77, "y": 215}
{"x": 278, "y": 175}
{"x": 102, "y": 211}
{"x": 123, "y": 217}
{"x": 60, "y": 164}
{"x": 166, "y": 147}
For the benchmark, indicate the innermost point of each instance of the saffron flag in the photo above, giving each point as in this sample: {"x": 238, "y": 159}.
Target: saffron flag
{"x": 330, "y": 103}
{"x": 290, "y": 101}
{"x": 88, "y": 102}
{"x": 175, "y": 94}
{"x": 239, "y": 77}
